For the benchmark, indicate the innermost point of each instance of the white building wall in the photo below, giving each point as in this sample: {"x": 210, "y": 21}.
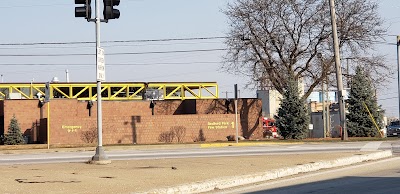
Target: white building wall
{"x": 270, "y": 102}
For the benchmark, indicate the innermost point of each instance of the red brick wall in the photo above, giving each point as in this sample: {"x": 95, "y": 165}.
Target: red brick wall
{"x": 27, "y": 113}
{"x": 213, "y": 127}
{"x": 127, "y": 122}
{"x": 249, "y": 110}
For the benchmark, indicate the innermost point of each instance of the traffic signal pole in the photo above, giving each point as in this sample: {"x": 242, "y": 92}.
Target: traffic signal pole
{"x": 109, "y": 14}
{"x": 100, "y": 155}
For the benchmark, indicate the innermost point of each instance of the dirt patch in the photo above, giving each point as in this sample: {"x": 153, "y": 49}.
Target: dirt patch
{"x": 141, "y": 175}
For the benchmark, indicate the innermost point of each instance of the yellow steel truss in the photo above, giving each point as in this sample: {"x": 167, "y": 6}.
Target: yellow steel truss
{"x": 111, "y": 90}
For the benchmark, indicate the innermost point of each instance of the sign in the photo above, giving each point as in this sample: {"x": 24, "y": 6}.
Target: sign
{"x": 100, "y": 65}
{"x": 47, "y": 92}
{"x": 71, "y": 128}
{"x": 220, "y": 125}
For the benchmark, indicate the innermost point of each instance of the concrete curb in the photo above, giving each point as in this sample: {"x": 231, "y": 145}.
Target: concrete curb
{"x": 228, "y": 182}
{"x": 230, "y": 144}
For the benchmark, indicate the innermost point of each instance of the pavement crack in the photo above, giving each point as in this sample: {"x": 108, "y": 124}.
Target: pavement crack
{"x": 43, "y": 182}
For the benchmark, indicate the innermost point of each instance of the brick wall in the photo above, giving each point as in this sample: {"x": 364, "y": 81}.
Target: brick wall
{"x": 195, "y": 127}
{"x": 127, "y": 122}
{"x": 248, "y": 109}
{"x": 27, "y": 113}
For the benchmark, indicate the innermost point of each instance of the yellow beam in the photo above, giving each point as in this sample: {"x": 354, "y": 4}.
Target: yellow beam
{"x": 116, "y": 93}
{"x": 19, "y": 91}
{"x": 83, "y": 91}
{"x": 61, "y": 92}
{"x": 80, "y": 92}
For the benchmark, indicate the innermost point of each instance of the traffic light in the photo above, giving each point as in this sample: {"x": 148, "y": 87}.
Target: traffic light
{"x": 109, "y": 12}
{"x": 83, "y": 11}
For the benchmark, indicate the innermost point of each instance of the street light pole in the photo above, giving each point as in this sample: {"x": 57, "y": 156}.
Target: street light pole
{"x": 236, "y": 113}
{"x": 339, "y": 80}
{"x": 398, "y": 69}
{"x": 324, "y": 118}
{"x": 100, "y": 155}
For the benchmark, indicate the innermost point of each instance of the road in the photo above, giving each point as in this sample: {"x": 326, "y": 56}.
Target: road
{"x": 372, "y": 178}
{"x": 138, "y": 154}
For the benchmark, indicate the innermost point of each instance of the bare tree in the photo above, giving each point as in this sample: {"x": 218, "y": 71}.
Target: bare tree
{"x": 273, "y": 40}
{"x": 180, "y": 133}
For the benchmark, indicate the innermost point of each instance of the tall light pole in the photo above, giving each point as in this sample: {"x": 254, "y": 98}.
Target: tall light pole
{"x": 339, "y": 80}
{"x": 324, "y": 118}
{"x": 398, "y": 69}
{"x": 236, "y": 113}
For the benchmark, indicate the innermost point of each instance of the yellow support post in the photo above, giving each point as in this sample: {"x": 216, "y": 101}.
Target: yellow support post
{"x": 373, "y": 120}
{"x": 48, "y": 125}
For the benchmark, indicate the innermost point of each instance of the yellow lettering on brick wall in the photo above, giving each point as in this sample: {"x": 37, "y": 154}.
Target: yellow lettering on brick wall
{"x": 219, "y": 125}
{"x": 71, "y": 128}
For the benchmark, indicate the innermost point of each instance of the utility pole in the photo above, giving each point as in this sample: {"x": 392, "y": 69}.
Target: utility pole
{"x": 226, "y": 94}
{"x": 323, "y": 107}
{"x": 328, "y": 116}
{"x": 339, "y": 80}
{"x": 398, "y": 69}
{"x": 236, "y": 113}
{"x": 324, "y": 118}
{"x": 347, "y": 73}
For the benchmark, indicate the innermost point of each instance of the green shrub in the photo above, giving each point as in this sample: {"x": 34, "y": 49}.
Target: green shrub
{"x": 14, "y": 135}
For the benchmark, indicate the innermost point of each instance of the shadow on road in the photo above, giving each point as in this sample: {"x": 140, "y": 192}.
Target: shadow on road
{"x": 351, "y": 185}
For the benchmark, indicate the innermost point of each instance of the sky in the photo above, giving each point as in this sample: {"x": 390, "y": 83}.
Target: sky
{"x": 53, "y": 21}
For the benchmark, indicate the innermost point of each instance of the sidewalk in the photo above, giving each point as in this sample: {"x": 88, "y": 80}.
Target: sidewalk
{"x": 166, "y": 175}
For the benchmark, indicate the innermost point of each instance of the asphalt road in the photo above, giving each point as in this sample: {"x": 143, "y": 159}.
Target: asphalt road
{"x": 371, "y": 178}
{"x": 138, "y": 154}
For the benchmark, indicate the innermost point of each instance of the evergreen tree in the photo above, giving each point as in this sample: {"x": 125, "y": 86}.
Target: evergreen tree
{"x": 292, "y": 119}
{"x": 359, "y": 123}
{"x": 14, "y": 135}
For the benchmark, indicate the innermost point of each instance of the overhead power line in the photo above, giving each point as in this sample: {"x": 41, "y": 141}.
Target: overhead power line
{"x": 153, "y": 40}
{"x": 111, "y": 64}
{"x": 125, "y": 53}
{"x": 107, "y": 46}
{"x": 112, "y": 41}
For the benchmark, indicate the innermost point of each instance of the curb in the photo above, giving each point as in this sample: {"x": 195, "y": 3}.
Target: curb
{"x": 213, "y": 145}
{"x": 228, "y": 182}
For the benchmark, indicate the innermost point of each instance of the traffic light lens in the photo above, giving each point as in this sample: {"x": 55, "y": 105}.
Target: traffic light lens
{"x": 80, "y": 1}
{"x": 80, "y": 11}
{"x": 85, "y": 11}
{"x": 116, "y": 13}
{"x": 109, "y": 12}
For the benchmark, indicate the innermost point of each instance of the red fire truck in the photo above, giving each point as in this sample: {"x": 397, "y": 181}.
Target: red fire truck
{"x": 269, "y": 127}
